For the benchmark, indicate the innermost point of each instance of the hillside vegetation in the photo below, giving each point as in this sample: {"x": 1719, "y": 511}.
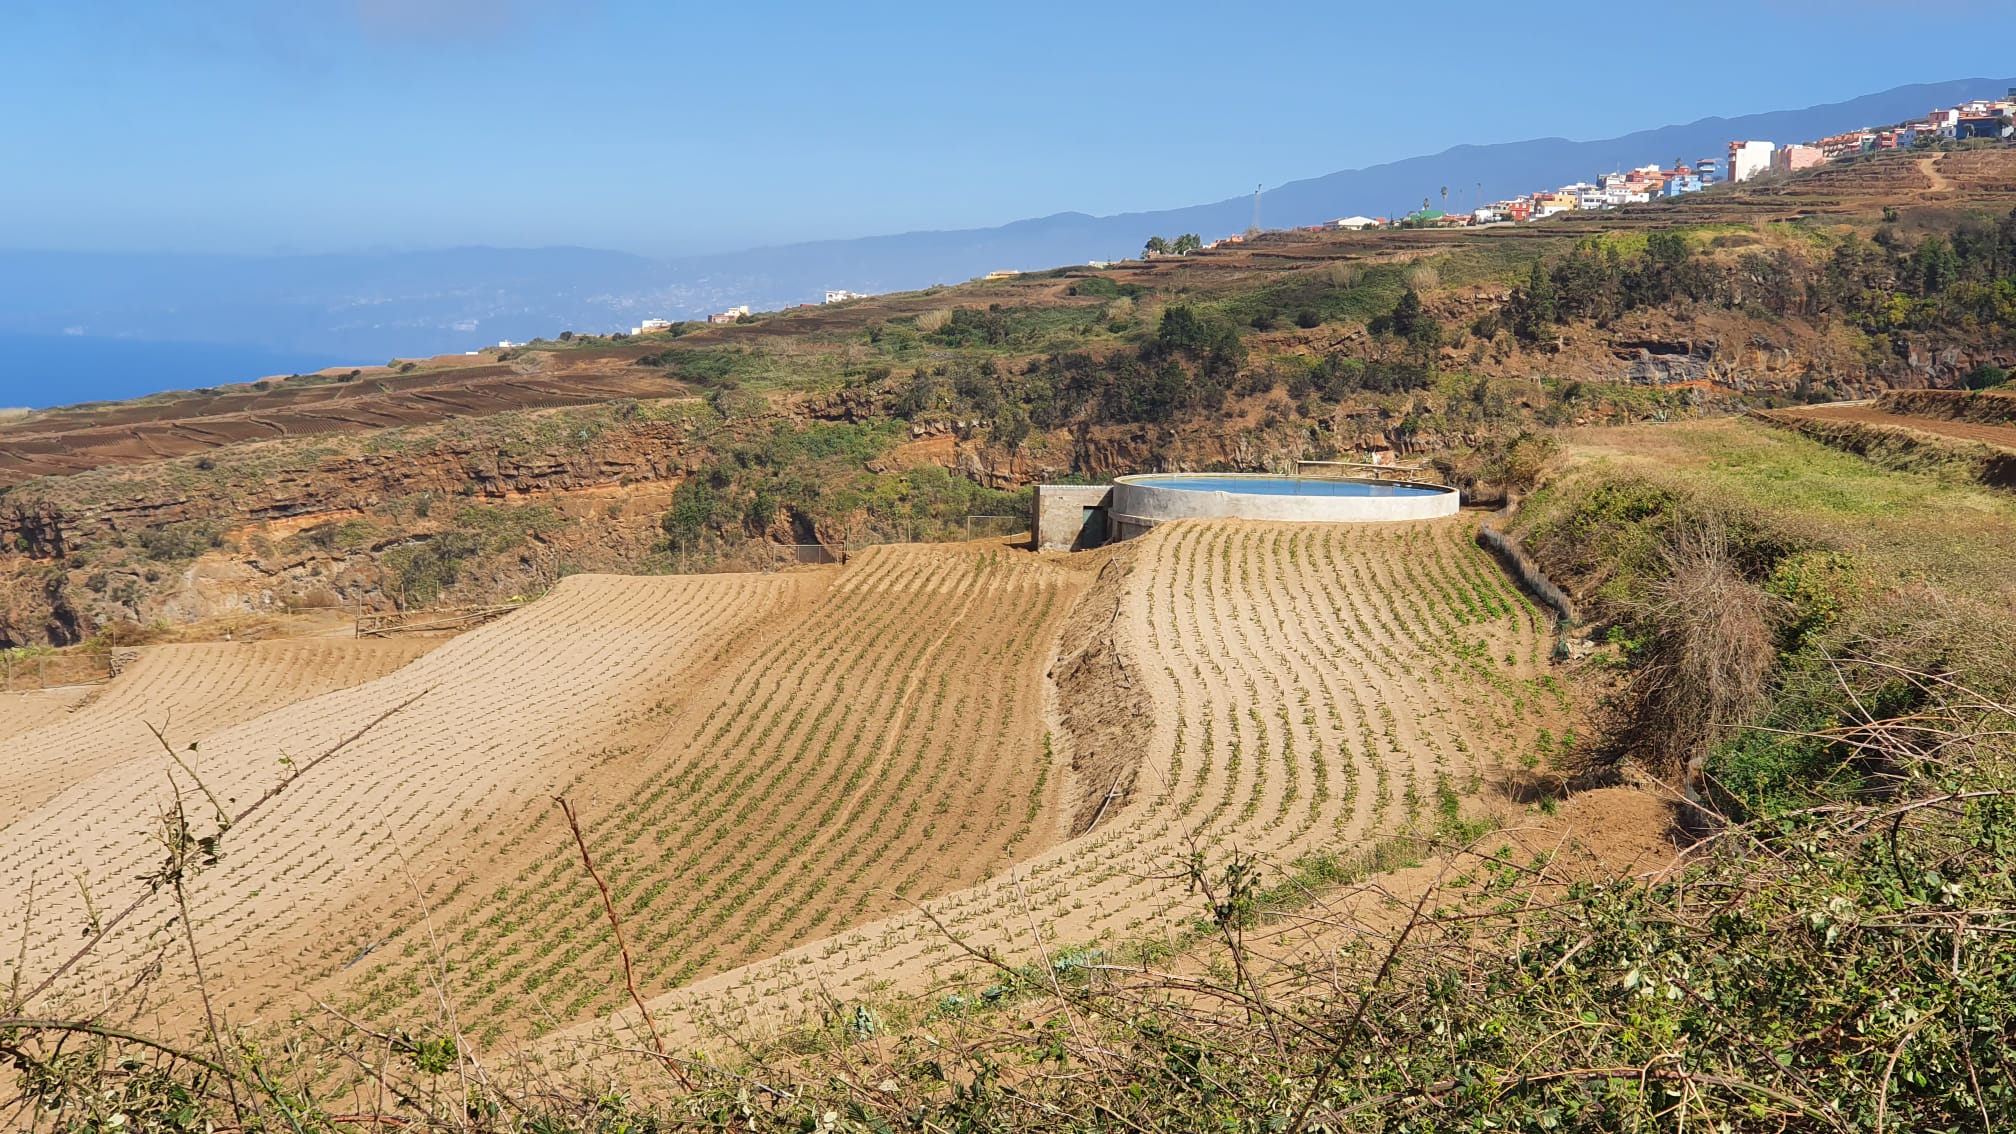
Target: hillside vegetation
{"x": 719, "y": 444}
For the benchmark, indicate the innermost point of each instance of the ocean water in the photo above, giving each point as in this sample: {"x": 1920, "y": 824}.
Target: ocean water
{"x": 39, "y": 371}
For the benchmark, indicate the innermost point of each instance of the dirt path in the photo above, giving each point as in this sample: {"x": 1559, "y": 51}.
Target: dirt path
{"x": 2000, "y": 436}
{"x": 1939, "y": 181}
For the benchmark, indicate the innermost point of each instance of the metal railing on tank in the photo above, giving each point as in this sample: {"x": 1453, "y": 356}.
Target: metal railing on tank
{"x": 1368, "y": 470}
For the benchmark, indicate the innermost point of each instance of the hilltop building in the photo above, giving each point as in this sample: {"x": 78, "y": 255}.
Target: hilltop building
{"x": 842, "y": 296}
{"x": 1982, "y": 126}
{"x": 1748, "y": 159}
{"x": 1792, "y": 159}
{"x": 730, "y": 315}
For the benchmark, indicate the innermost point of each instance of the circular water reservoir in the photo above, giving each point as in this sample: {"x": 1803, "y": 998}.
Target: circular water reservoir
{"x": 1141, "y": 502}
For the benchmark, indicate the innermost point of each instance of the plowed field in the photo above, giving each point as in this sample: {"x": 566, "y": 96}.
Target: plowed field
{"x": 189, "y": 692}
{"x": 26, "y": 712}
{"x": 890, "y": 744}
{"x": 1281, "y": 689}
{"x": 504, "y": 716}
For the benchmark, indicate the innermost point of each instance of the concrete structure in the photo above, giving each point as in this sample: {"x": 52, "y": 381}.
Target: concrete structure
{"x": 729, "y": 316}
{"x": 1071, "y": 517}
{"x": 1748, "y": 159}
{"x": 1792, "y": 159}
{"x": 842, "y": 295}
{"x": 1141, "y": 502}
{"x": 1357, "y": 224}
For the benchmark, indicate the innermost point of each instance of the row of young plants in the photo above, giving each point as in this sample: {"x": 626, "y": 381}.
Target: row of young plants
{"x": 839, "y": 723}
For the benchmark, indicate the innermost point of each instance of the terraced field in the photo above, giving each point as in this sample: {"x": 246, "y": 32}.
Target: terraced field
{"x": 891, "y": 744}
{"x": 2000, "y": 436}
{"x": 1289, "y": 689}
{"x": 26, "y": 712}
{"x": 492, "y": 723}
{"x": 769, "y": 768}
{"x": 189, "y": 692}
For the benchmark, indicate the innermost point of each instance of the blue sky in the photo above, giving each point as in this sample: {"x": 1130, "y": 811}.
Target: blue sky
{"x": 323, "y": 125}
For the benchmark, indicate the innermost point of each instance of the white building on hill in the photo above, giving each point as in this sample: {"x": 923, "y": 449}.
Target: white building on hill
{"x": 1748, "y": 159}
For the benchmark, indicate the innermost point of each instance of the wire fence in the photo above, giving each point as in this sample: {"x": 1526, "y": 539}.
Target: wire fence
{"x": 52, "y": 671}
{"x": 685, "y": 557}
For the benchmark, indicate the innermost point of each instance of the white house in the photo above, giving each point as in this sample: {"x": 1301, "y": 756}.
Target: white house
{"x": 650, "y": 326}
{"x": 842, "y": 295}
{"x": 1357, "y": 224}
{"x": 1748, "y": 159}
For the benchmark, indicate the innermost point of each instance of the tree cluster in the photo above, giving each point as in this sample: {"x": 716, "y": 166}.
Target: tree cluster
{"x": 1960, "y": 279}
{"x": 1181, "y": 246}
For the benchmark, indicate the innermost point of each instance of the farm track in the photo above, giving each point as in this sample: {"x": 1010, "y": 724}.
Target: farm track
{"x": 1999, "y": 436}
{"x": 189, "y": 692}
{"x": 506, "y": 715}
{"x": 890, "y": 744}
{"x": 1312, "y": 689}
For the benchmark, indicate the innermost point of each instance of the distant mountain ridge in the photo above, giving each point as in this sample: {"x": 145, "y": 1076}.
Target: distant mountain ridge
{"x": 370, "y": 307}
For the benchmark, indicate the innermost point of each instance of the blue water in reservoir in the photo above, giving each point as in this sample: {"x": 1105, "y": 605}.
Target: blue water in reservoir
{"x": 1280, "y": 486}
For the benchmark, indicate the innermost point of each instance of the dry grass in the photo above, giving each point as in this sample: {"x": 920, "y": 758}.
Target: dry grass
{"x": 1705, "y": 668}
{"x": 1904, "y": 525}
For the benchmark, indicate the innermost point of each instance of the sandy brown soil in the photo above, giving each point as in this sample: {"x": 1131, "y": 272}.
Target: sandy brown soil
{"x": 188, "y": 692}
{"x": 1295, "y": 689}
{"x": 26, "y": 712}
{"x": 886, "y": 743}
{"x": 505, "y": 715}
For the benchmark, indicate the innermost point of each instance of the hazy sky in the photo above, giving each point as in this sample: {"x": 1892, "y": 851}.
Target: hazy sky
{"x": 317, "y": 125}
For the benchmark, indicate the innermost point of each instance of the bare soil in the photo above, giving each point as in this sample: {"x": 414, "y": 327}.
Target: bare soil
{"x": 187, "y": 692}
{"x": 883, "y": 743}
{"x": 26, "y": 712}
{"x": 1296, "y": 689}
{"x": 505, "y": 716}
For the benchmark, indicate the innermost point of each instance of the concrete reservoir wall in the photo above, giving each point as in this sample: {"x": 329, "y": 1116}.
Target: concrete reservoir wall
{"x": 1072, "y": 516}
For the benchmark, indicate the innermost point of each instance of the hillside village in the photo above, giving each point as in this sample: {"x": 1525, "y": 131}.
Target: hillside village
{"x": 1978, "y": 120}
